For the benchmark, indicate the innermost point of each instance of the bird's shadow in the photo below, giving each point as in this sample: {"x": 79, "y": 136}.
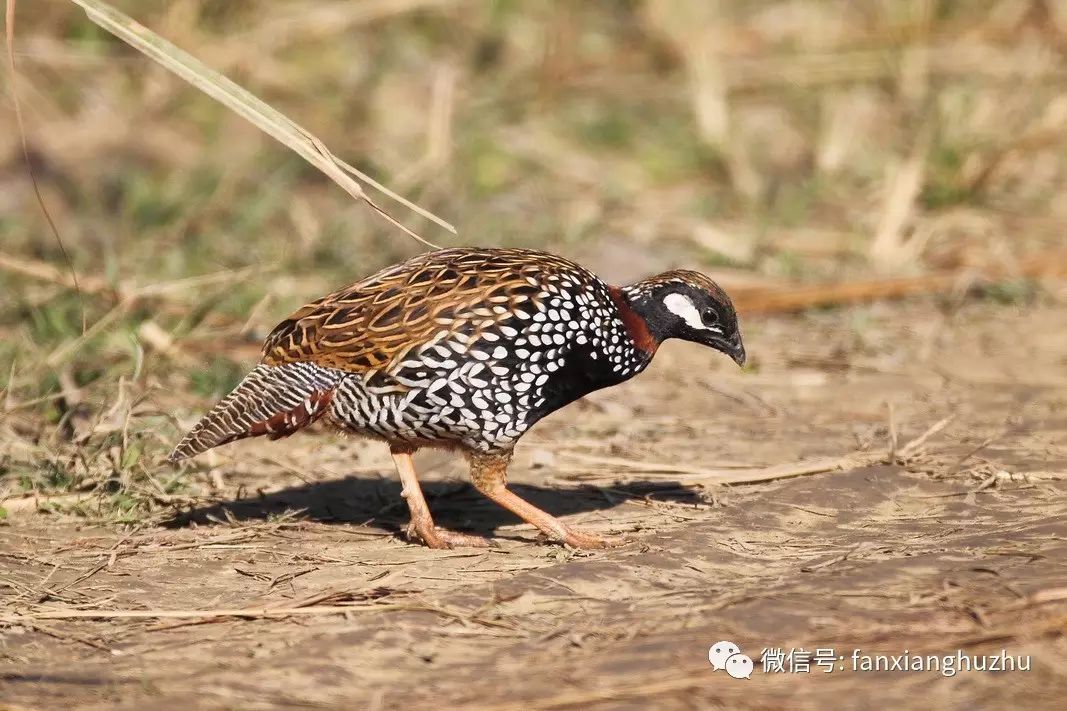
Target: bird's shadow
{"x": 374, "y": 501}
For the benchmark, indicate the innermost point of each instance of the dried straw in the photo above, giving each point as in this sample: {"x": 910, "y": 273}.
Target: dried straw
{"x": 248, "y": 106}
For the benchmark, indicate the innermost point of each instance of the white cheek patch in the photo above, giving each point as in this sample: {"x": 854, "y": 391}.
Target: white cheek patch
{"x": 682, "y": 306}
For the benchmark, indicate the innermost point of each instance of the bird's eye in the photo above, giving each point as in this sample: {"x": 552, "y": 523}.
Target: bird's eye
{"x": 709, "y": 316}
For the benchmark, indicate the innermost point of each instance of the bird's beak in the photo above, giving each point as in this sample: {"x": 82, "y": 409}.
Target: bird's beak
{"x": 737, "y": 352}
{"x": 732, "y": 347}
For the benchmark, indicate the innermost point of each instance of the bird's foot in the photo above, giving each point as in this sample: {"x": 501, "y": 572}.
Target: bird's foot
{"x": 443, "y": 539}
{"x": 587, "y": 541}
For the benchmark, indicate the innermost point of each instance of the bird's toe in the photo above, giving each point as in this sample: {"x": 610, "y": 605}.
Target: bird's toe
{"x": 443, "y": 539}
{"x": 587, "y": 541}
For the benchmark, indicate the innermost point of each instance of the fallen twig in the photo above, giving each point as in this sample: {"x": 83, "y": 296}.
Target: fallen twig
{"x": 33, "y": 502}
{"x": 912, "y": 448}
{"x": 1040, "y": 597}
{"x": 246, "y": 613}
{"x": 249, "y": 612}
{"x": 239, "y": 537}
{"x": 650, "y": 466}
{"x": 753, "y": 475}
{"x": 67, "y": 637}
{"x": 1048, "y": 263}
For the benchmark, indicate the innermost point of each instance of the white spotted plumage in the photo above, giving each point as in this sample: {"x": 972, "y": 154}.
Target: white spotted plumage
{"x": 497, "y": 381}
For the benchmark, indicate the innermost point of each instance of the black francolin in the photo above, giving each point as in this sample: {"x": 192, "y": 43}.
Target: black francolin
{"x": 465, "y": 349}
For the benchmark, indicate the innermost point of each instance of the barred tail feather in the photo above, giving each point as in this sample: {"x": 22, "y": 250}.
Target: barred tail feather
{"x": 271, "y": 400}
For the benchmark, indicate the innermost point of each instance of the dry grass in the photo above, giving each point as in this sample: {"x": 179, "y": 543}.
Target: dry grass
{"x": 769, "y": 143}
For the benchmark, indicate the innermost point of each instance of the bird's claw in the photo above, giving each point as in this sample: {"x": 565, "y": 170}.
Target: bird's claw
{"x": 587, "y": 541}
{"x": 443, "y": 539}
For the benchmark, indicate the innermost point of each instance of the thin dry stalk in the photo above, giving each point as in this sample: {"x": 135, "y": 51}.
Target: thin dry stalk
{"x": 753, "y": 475}
{"x": 646, "y": 467}
{"x": 319, "y": 18}
{"x": 250, "y": 107}
{"x": 9, "y": 28}
{"x": 244, "y": 613}
{"x": 43, "y": 271}
{"x": 248, "y": 612}
{"x": 891, "y": 247}
{"x": 1051, "y": 263}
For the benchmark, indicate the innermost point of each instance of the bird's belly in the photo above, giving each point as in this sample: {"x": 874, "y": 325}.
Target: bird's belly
{"x": 485, "y": 402}
{"x": 577, "y": 376}
{"x": 484, "y": 414}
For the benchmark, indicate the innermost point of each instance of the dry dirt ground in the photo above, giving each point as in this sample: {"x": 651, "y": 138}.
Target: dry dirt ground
{"x": 955, "y": 543}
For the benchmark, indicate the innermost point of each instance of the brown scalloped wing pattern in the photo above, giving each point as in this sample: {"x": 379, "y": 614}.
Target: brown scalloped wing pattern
{"x": 373, "y": 324}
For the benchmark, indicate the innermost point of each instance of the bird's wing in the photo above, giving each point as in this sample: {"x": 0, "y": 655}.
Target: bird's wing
{"x": 373, "y": 324}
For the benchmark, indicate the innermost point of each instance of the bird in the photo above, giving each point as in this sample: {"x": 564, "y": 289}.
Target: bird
{"x": 464, "y": 349}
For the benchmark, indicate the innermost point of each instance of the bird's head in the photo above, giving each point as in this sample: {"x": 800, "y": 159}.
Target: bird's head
{"x": 688, "y": 305}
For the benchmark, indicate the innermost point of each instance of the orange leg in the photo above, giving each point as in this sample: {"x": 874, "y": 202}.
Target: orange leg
{"x": 422, "y": 525}
{"x": 489, "y": 472}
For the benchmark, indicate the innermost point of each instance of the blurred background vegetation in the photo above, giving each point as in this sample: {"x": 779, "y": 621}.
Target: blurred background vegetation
{"x": 766, "y": 142}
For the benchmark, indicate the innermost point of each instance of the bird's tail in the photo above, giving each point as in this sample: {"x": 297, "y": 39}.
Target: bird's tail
{"x": 272, "y": 400}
